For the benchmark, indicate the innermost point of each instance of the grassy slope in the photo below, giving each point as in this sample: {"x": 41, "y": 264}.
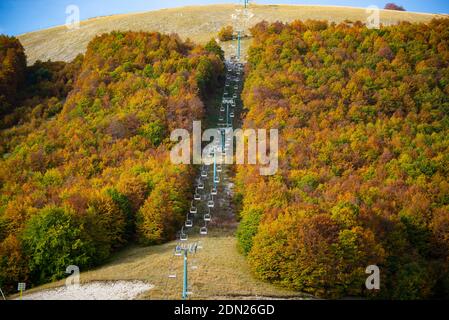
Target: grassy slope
{"x": 200, "y": 23}
{"x": 222, "y": 272}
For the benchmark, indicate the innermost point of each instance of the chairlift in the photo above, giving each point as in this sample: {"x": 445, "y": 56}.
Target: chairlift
{"x": 214, "y": 191}
{"x": 220, "y": 118}
{"x": 217, "y": 179}
{"x": 234, "y": 96}
{"x": 197, "y": 195}
{"x": 211, "y": 203}
{"x": 193, "y": 209}
{"x": 178, "y": 250}
{"x": 201, "y": 185}
{"x": 231, "y": 114}
{"x": 189, "y": 223}
{"x": 203, "y": 173}
{"x": 207, "y": 217}
{"x": 183, "y": 236}
{"x": 203, "y": 230}
{"x": 193, "y": 247}
{"x": 222, "y": 109}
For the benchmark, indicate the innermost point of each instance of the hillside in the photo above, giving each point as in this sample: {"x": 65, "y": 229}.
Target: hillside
{"x": 86, "y": 179}
{"x": 200, "y": 23}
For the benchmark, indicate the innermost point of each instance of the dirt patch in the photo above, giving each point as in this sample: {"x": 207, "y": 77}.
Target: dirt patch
{"x": 98, "y": 290}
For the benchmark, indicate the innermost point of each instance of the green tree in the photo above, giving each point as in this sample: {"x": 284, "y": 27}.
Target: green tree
{"x": 53, "y": 239}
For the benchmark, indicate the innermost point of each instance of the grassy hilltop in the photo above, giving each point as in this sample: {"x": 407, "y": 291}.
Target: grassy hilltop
{"x": 199, "y": 23}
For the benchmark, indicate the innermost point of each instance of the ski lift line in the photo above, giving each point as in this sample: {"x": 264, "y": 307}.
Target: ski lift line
{"x": 181, "y": 248}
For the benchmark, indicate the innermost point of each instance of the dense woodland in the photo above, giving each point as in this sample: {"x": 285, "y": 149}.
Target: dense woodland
{"x": 84, "y": 165}
{"x": 363, "y": 116}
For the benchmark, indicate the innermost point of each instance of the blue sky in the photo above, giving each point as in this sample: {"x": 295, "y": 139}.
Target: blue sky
{"x": 20, "y": 16}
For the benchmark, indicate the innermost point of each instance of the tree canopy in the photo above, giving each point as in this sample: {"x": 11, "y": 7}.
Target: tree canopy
{"x": 85, "y": 162}
{"x": 363, "y": 163}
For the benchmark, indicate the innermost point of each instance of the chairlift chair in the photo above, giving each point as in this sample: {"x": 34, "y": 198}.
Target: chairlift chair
{"x": 222, "y": 109}
{"x": 217, "y": 179}
{"x": 193, "y": 209}
{"x": 207, "y": 217}
{"x": 196, "y": 196}
{"x": 203, "y": 230}
{"x": 214, "y": 191}
{"x": 178, "y": 250}
{"x": 211, "y": 203}
{"x": 183, "y": 236}
{"x": 231, "y": 114}
{"x": 204, "y": 173}
{"x": 201, "y": 185}
{"x": 189, "y": 222}
{"x": 220, "y": 118}
{"x": 219, "y": 168}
